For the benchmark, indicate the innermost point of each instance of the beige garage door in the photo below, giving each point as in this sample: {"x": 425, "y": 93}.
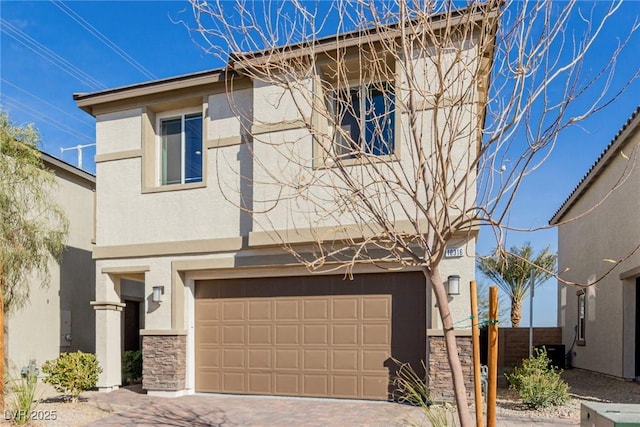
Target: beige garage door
{"x": 308, "y": 336}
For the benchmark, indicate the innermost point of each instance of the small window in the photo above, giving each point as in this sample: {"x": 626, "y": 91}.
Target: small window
{"x": 366, "y": 116}
{"x": 582, "y": 316}
{"x": 181, "y": 149}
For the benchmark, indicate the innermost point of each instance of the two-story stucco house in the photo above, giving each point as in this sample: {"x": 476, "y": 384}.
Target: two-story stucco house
{"x": 226, "y": 308}
{"x": 598, "y": 238}
{"x": 58, "y": 318}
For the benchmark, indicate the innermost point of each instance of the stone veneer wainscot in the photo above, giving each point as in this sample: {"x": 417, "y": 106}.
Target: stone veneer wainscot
{"x": 440, "y": 385}
{"x": 164, "y": 360}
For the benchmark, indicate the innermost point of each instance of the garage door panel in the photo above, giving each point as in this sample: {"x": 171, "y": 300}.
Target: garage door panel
{"x": 209, "y": 357}
{"x": 315, "y": 309}
{"x": 374, "y": 360}
{"x": 287, "y": 310}
{"x": 345, "y": 334}
{"x": 234, "y": 382}
{"x": 259, "y": 334}
{"x": 260, "y": 383}
{"x": 376, "y": 334}
{"x": 345, "y": 308}
{"x": 315, "y": 359}
{"x": 233, "y": 334}
{"x": 345, "y": 360}
{"x": 260, "y": 358}
{"x": 233, "y": 358}
{"x": 315, "y": 385}
{"x": 208, "y": 312}
{"x": 208, "y": 380}
{"x": 233, "y": 310}
{"x": 208, "y": 334}
{"x": 260, "y": 310}
{"x": 376, "y": 308}
{"x": 287, "y": 359}
{"x": 287, "y": 334}
{"x": 374, "y": 386}
{"x": 287, "y": 384}
{"x": 345, "y": 386}
{"x": 315, "y": 334}
{"x": 308, "y": 336}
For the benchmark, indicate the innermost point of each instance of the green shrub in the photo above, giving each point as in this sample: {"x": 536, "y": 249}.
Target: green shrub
{"x": 22, "y": 399}
{"x": 72, "y": 373}
{"x": 537, "y": 383}
{"x": 131, "y": 366}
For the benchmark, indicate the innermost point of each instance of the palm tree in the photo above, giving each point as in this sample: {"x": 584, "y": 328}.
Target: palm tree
{"x": 512, "y": 272}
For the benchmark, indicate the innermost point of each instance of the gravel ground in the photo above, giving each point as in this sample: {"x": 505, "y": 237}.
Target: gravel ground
{"x": 585, "y": 387}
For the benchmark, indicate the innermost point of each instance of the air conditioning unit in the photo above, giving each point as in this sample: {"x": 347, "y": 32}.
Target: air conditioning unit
{"x": 609, "y": 415}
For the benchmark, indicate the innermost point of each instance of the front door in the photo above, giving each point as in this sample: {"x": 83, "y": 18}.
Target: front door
{"x": 131, "y": 325}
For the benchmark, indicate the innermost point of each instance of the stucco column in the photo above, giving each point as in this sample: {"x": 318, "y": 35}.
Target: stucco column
{"x": 108, "y": 351}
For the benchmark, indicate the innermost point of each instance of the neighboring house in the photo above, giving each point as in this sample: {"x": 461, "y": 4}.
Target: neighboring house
{"x": 599, "y": 224}
{"x": 226, "y": 309}
{"x": 58, "y": 318}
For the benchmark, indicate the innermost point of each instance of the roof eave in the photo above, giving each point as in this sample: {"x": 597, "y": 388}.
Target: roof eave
{"x": 67, "y": 167}
{"x": 605, "y": 158}
{"x": 86, "y": 101}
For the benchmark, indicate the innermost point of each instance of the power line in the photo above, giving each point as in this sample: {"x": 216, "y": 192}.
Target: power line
{"x": 49, "y": 104}
{"x": 49, "y": 55}
{"x": 12, "y": 102}
{"x": 104, "y": 39}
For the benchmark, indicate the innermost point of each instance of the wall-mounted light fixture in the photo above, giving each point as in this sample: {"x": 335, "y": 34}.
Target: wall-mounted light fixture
{"x": 158, "y": 291}
{"x": 453, "y": 285}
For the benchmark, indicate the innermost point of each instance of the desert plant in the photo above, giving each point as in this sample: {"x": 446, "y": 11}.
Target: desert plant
{"x": 441, "y": 415}
{"x": 23, "y": 399}
{"x": 131, "y": 366}
{"x": 72, "y": 373}
{"x": 410, "y": 387}
{"x": 538, "y": 383}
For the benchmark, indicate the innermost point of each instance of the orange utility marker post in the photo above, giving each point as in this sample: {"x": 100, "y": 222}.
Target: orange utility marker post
{"x": 492, "y": 382}
{"x": 475, "y": 334}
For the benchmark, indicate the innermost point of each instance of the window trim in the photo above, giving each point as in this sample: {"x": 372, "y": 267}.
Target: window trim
{"x": 178, "y": 113}
{"x": 362, "y": 88}
{"x": 581, "y": 325}
{"x": 323, "y": 147}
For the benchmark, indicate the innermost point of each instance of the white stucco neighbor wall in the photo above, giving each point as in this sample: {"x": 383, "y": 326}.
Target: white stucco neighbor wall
{"x": 605, "y": 227}
{"x": 37, "y": 331}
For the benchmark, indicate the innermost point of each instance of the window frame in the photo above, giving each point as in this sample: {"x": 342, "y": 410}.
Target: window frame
{"x": 364, "y": 88}
{"x": 581, "y": 317}
{"x": 182, "y": 114}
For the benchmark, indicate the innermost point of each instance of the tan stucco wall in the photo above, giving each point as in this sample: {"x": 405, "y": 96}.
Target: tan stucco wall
{"x": 176, "y": 237}
{"x": 609, "y": 231}
{"x": 34, "y": 332}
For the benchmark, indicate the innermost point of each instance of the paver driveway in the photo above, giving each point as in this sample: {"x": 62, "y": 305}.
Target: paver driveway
{"x": 136, "y": 409}
{"x": 229, "y": 410}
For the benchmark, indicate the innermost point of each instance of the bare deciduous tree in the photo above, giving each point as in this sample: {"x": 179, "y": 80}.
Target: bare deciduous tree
{"x": 401, "y": 118}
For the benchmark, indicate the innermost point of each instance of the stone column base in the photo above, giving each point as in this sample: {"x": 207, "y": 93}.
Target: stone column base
{"x": 164, "y": 362}
{"x": 440, "y": 385}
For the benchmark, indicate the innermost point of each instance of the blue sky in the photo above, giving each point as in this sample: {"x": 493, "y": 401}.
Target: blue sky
{"x": 35, "y": 90}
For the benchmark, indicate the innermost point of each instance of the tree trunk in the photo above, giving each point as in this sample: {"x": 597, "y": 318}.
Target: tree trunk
{"x": 516, "y": 313}
{"x": 457, "y": 376}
